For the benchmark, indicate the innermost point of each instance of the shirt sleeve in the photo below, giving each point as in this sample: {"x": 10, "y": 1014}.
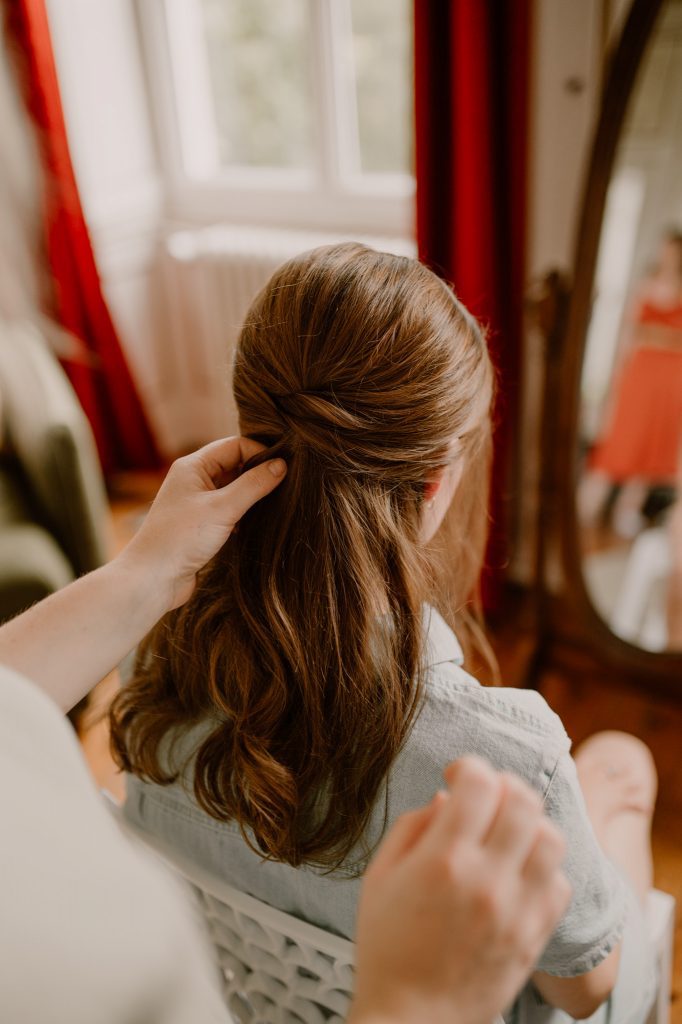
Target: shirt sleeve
{"x": 595, "y": 919}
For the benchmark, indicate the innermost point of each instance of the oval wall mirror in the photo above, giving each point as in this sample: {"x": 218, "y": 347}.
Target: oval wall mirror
{"x": 619, "y": 464}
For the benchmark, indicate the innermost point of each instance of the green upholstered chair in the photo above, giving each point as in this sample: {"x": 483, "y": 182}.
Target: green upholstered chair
{"x": 53, "y": 507}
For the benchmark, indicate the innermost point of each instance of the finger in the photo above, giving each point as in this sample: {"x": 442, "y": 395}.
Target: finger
{"x": 222, "y": 457}
{"x": 561, "y": 894}
{"x": 458, "y": 772}
{"x": 514, "y": 827}
{"x": 544, "y": 905}
{"x": 474, "y": 795}
{"x": 546, "y": 853}
{"x": 404, "y": 834}
{"x": 238, "y": 497}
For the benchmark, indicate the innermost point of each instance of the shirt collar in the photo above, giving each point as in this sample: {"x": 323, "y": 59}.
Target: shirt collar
{"x": 440, "y": 643}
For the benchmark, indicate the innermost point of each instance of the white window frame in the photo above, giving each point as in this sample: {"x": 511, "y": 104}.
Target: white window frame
{"x": 334, "y": 197}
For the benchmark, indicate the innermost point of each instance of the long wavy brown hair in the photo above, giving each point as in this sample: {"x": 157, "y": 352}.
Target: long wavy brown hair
{"x": 300, "y": 650}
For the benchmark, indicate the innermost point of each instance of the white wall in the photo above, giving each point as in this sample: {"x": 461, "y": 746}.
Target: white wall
{"x": 111, "y": 137}
{"x": 103, "y": 90}
{"x": 21, "y": 190}
{"x": 569, "y": 47}
{"x": 565, "y": 83}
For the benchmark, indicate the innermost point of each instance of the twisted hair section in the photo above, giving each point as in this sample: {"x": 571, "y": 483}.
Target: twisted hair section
{"x": 300, "y": 652}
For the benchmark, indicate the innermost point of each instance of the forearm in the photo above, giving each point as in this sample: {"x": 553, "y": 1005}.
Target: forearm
{"x": 67, "y": 643}
{"x": 416, "y": 1017}
{"x": 582, "y": 995}
{"x": 369, "y": 1018}
{"x": 382, "y": 1017}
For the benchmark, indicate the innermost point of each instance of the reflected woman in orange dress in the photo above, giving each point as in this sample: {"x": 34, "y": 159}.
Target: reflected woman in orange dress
{"x": 639, "y": 446}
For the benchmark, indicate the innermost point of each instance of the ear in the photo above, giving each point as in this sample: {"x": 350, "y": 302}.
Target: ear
{"x": 432, "y": 486}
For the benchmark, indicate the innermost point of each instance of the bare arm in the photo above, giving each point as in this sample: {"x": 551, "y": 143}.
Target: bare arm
{"x": 71, "y": 640}
{"x": 582, "y": 995}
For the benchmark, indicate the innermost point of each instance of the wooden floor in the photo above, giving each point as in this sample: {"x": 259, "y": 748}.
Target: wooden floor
{"x": 586, "y": 704}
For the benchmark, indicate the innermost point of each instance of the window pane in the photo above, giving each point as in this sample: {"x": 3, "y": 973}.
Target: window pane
{"x": 382, "y": 52}
{"x": 259, "y": 67}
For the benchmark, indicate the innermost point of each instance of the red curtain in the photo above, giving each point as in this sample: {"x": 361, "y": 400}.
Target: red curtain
{"x": 471, "y": 102}
{"x": 100, "y": 377}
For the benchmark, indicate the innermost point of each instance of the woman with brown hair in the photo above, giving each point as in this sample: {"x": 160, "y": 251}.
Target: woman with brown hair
{"x": 309, "y": 692}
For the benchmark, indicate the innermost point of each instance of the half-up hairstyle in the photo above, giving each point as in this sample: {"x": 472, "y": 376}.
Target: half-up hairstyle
{"x": 301, "y": 648}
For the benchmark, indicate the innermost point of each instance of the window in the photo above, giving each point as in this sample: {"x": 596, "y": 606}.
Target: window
{"x": 261, "y": 82}
{"x": 291, "y": 111}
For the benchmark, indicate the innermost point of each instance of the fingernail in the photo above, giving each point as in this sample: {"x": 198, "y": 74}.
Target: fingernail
{"x": 277, "y": 467}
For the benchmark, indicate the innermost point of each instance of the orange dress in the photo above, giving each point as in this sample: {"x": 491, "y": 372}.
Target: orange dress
{"x": 643, "y": 436}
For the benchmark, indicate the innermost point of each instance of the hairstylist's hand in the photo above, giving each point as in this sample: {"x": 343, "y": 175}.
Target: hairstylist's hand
{"x": 458, "y": 903}
{"x": 197, "y": 507}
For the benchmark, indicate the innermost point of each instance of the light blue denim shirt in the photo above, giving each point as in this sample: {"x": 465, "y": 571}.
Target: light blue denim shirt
{"x": 513, "y": 729}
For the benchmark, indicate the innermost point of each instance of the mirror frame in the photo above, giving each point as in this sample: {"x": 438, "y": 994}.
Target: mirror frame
{"x": 662, "y": 669}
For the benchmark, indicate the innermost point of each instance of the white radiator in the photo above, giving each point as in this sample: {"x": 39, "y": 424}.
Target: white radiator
{"x": 209, "y": 278}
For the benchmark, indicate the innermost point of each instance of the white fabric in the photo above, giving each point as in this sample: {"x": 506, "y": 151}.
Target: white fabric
{"x": 92, "y": 930}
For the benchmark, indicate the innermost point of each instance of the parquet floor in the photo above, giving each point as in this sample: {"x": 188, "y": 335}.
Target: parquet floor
{"x": 585, "y": 704}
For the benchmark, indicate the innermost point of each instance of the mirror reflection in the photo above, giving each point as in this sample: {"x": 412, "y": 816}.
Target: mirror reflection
{"x": 630, "y": 490}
